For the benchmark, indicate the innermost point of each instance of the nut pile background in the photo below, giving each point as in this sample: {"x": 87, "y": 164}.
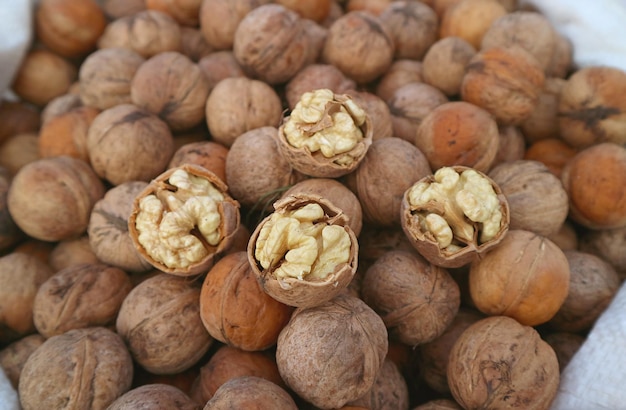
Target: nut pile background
{"x": 114, "y": 96}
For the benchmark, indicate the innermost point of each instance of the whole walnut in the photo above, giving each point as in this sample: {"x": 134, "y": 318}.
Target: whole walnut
{"x": 18, "y": 117}
{"x": 155, "y": 395}
{"x": 565, "y": 346}
{"x": 390, "y": 391}
{"x": 156, "y": 316}
{"x": 14, "y": 356}
{"x": 315, "y": 362}
{"x": 390, "y": 166}
{"x": 105, "y": 77}
{"x": 41, "y": 204}
{"x": 499, "y": 363}
{"x": 506, "y": 81}
{"x": 360, "y": 45}
{"x": 410, "y": 104}
{"x": 469, "y": 19}
{"x": 608, "y": 245}
{"x": 66, "y": 134}
{"x": 444, "y": 64}
{"x": 235, "y": 309}
{"x": 250, "y": 392}
{"x": 10, "y": 234}
{"x": 255, "y": 171}
{"x": 401, "y": 72}
{"x": 416, "y": 300}
{"x": 543, "y": 123}
{"x": 69, "y": 28}
{"x": 71, "y": 252}
{"x": 120, "y": 8}
{"x": 272, "y": 43}
{"x": 81, "y": 368}
{"x": 220, "y": 65}
{"x": 413, "y": 27}
{"x": 219, "y": 20}
{"x": 108, "y": 229}
{"x": 60, "y": 105}
{"x": 185, "y": 12}
{"x": 378, "y": 111}
{"x": 240, "y": 104}
{"x": 127, "y": 143}
{"x": 314, "y": 77}
{"x": 21, "y": 275}
{"x": 147, "y": 32}
{"x": 192, "y": 43}
{"x": 78, "y": 297}
{"x": 229, "y": 363}
{"x": 552, "y": 152}
{"x": 173, "y": 87}
{"x": 537, "y": 200}
{"x": 19, "y": 150}
{"x": 208, "y": 154}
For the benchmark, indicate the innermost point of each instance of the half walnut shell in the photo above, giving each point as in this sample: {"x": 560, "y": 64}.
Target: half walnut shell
{"x": 325, "y": 159}
{"x": 462, "y": 217}
{"x": 305, "y": 252}
{"x": 183, "y": 219}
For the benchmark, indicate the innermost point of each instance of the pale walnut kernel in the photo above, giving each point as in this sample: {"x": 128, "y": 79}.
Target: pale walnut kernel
{"x": 308, "y": 249}
{"x": 321, "y": 122}
{"x": 450, "y": 206}
{"x": 166, "y": 220}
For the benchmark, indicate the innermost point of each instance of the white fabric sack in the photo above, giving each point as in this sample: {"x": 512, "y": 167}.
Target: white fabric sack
{"x": 15, "y": 38}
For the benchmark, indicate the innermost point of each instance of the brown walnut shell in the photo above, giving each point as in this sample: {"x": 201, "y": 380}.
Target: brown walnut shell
{"x": 304, "y": 293}
{"x": 228, "y": 210}
{"x": 428, "y": 247}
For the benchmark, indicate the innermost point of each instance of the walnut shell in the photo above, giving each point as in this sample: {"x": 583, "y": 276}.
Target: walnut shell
{"x": 428, "y": 247}
{"x": 499, "y": 363}
{"x": 470, "y": 19}
{"x": 416, "y": 300}
{"x": 14, "y": 356}
{"x": 81, "y": 368}
{"x": 302, "y": 292}
{"x": 207, "y": 154}
{"x": 71, "y": 252}
{"x": 250, "y": 392}
{"x": 315, "y": 362}
{"x": 228, "y": 210}
{"x": 156, "y": 395}
{"x": 390, "y": 391}
{"x": 401, "y": 72}
{"x": 413, "y": 27}
{"x": 314, "y": 77}
{"x": 156, "y": 316}
{"x": 444, "y": 64}
{"x": 78, "y": 297}
{"x": 234, "y": 308}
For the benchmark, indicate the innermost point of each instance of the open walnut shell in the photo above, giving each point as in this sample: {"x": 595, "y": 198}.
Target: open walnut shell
{"x": 454, "y": 215}
{"x": 183, "y": 219}
{"x": 326, "y": 136}
{"x": 304, "y": 253}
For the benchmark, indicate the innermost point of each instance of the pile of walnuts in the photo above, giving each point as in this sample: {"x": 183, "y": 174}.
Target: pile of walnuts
{"x": 313, "y": 204}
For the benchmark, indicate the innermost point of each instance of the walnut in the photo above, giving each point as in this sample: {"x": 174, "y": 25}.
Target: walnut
{"x": 439, "y": 404}
{"x": 66, "y": 134}
{"x": 127, "y": 143}
{"x": 565, "y": 345}
{"x": 173, "y": 87}
{"x": 454, "y": 215}
{"x": 552, "y": 152}
{"x": 18, "y": 117}
{"x": 318, "y": 366}
{"x": 416, "y": 300}
{"x": 511, "y": 145}
{"x": 499, "y": 363}
{"x": 249, "y": 392}
{"x": 155, "y": 395}
{"x": 458, "y": 133}
{"x": 72, "y": 252}
{"x": 193, "y": 45}
{"x": 532, "y": 31}
{"x": 234, "y": 308}
{"x": 335, "y": 192}
{"x": 591, "y": 109}
{"x": 408, "y": 106}
{"x": 256, "y": 173}
{"x": 207, "y": 154}
{"x": 390, "y": 391}
{"x": 78, "y": 297}
{"x": 147, "y": 32}
{"x": 593, "y": 284}
{"x": 390, "y": 167}
{"x": 14, "y": 356}
{"x": 401, "y": 72}
{"x": 81, "y": 368}
{"x": 567, "y": 237}
{"x": 219, "y": 20}
{"x": 304, "y": 253}
{"x": 316, "y": 10}
{"x": 17, "y": 151}
{"x": 360, "y": 45}
{"x": 272, "y": 43}
{"x": 185, "y": 12}
{"x": 10, "y": 234}
{"x": 314, "y": 77}
{"x": 445, "y": 62}
{"x": 532, "y": 289}
{"x": 105, "y": 77}
{"x": 183, "y": 219}
{"x": 218, "y": 66}
{"x": 69, "y": 28}
{"x": 41, "y": 204}
{"x": 537, "y": 200}
{"x": 156, "y": 316}
{"x": 470, "y": 19}
{"x": 109, "y": 237}
{"x": 120, "y": 8}
{"x": 413, "y": 27}
{"x": 59, "y": 105}
{"x": 326, "y": 134}
{"x": 378, "y": 111}
{"x": 506, "y": 81}
{"x": 608, "y": 244}
{"x": 240, "y": 104}
{"x": 21, "y": 275}
{"x": 43, "y": 76}
{"x": 229, "y": 363}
